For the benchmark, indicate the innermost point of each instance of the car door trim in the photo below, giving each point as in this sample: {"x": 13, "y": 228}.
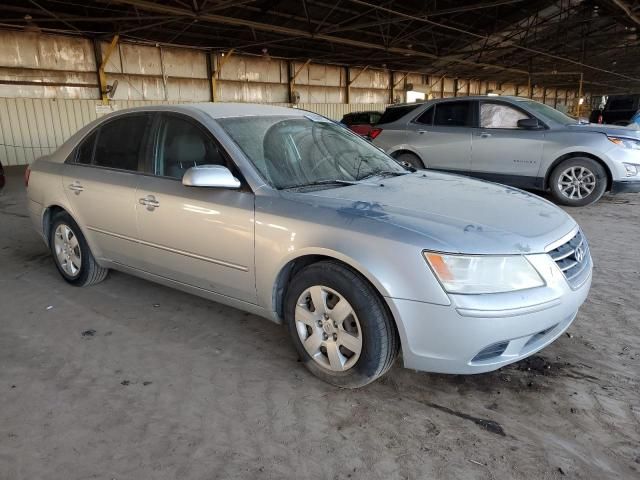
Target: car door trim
{"x": 222, "y": 263}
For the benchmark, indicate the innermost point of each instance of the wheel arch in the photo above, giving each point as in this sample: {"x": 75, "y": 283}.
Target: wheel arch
{"x": 47, "y": 215}
{"x": 294, "y": 265}
{"x": 566, "y": 156}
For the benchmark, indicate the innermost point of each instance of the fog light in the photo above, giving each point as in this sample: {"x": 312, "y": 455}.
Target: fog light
{"x": 632, "y": 169}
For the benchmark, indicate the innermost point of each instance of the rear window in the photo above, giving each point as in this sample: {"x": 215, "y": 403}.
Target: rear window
{"x": 392, "y": 114}
{"x": 454, "y": 114}
{"x": 621, "y": 103}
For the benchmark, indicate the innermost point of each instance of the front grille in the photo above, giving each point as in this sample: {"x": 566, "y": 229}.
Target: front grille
{"x": 573, "y": 259}
{"x": 540, "y": 335}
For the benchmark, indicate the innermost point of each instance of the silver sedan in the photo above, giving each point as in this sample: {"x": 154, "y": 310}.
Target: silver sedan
{"x": 285, "y": 214}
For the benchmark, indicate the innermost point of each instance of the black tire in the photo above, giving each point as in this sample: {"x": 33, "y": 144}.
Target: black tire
{"x": 410, "y": 159}
{"x": 380, "y": 341}
{"x": 591, "y": 166}
{"x": 89, "y": 272}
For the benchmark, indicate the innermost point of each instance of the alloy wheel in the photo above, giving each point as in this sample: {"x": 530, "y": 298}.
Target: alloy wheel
{"x": 67, "y": 249}
{"x": 576, "y": 183}
{"x": 328, "y": 328}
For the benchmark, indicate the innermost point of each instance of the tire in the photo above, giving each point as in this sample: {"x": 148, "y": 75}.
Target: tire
{"x": 411, "y": 159}
{"x": 72, "y": 257}
{"x": 592, "y": 178}
{"x": 333, "y": 339}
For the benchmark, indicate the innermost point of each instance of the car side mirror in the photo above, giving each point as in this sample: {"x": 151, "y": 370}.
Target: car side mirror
{"x": 529, "y": 123}
{"x": 216, "y": 176}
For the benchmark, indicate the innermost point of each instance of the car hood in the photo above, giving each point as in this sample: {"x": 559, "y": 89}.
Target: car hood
{"x": 606, "y": 129}
{"x": 450, "y": 213}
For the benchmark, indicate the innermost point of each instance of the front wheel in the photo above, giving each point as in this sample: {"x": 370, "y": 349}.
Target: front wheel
{"x": 339, "y": 325}
{"x": 578, "y": 181}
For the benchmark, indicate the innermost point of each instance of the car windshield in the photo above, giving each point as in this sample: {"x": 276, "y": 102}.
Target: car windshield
{"x": 548, "y": 112}
{"x": 298, "y": 151}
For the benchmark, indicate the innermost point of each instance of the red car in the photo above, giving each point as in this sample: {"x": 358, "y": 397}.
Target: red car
{"x": 361, "y": 122}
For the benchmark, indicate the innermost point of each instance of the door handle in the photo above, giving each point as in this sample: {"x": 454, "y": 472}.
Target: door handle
{"x": 422, "y": 132}
{"x": 76, "y": 188}
{"x": 484, "y": 135}
{"x": 150, "y": 202}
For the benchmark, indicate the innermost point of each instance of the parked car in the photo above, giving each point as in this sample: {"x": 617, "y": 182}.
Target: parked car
{"x": 2, "y": 179}
{"x": 285, "y": 214}
{"x": 618, "y": 110}
{"x": 361, "y": 122}
{"x": 515, "y": 141}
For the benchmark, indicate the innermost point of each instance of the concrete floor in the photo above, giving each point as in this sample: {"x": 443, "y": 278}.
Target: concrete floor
{"x": 172, "y": 386}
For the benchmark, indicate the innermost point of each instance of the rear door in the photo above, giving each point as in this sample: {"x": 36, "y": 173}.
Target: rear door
{"x": 201, "y": 237}
{"x": 100, "y": 181}
{"x": 441, "y": 135}
{"x": 501, "y": 150}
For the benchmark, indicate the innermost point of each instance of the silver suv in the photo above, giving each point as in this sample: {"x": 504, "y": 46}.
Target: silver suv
{"x": 515, "y": 141}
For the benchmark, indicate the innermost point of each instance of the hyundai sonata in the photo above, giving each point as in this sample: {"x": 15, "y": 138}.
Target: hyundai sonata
{"x": 285, "y": 214}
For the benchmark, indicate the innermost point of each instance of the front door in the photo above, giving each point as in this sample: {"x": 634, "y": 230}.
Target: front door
{"x": 442, "y": 136}
{"x": 502, "y": 151}
{"x": 100, "y": 181}
{"x": 201, "y": 237}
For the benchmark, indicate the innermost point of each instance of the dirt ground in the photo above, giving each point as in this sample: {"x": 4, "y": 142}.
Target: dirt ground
{"x": 131, "y": 380}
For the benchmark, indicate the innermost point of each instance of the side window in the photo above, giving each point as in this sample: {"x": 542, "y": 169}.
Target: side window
{"x": 427, "y": 117}
{"x": 499, "y": 115}
{"x": 181, "y": 145}
{"x": 453, "y": 114}
{"x": 120, "y": 142}
{"x": 374, "y": 118}
{"x": 84, "y": 152}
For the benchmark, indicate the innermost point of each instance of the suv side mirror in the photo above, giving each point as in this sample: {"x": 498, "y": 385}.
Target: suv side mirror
{"x": 216, "y": 176}
{"x": 529, "y": 123}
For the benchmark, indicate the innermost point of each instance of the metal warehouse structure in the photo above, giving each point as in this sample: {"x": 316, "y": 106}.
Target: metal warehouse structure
{"x": 63, "y": 63}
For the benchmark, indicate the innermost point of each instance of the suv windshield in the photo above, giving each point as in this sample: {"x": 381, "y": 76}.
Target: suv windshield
{"x": 548, "y": 112}
{"x": 294, "y": 151}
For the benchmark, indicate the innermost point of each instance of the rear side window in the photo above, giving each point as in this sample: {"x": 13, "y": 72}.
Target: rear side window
{"x": 427, "y": 117}
{"x": 392, "y": 114}
{"x": 120, "y": 142}
{"x": 453, "y": 114}
{"x": 499, "y": 115}
{"x": 84, "y": 153}
{"x": 375, "y": 118}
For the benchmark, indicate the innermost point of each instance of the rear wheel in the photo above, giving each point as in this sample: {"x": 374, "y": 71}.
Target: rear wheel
{"x": 578, "y": 181}
{"x": 410, "y": 159}
{"x": 71, "y": 254}
{"x": 339, "y": 325}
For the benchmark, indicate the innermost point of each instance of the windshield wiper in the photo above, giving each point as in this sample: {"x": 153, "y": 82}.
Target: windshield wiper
{"x": 322, "y": 182}
{"x": 380, "y": 173}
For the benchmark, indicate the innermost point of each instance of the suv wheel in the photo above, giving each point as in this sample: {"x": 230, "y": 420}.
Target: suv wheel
{"x": 339, "y": 325}
{"x": 578, "y": 181}
{"x": 71, "y": 253}
{"x": 411, "y": 160}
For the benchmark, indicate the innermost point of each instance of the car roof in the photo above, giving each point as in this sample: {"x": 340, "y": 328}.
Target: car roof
{"x": 223, "y": 110}
{"x": 510, "y": 98}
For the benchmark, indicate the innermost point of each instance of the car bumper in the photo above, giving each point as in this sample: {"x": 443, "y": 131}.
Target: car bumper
{"x": 473, "y": 336}
{"x": 622, "y": 186}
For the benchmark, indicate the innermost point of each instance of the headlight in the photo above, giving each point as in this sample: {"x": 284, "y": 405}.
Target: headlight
{"x": 483, "y": 273}
{"x": 626, "y": 142}
{"x": 631, "y": 169}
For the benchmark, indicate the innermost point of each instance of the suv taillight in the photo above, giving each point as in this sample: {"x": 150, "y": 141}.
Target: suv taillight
{"x": 27, "y": 174}
{"x": 374, "y": 132}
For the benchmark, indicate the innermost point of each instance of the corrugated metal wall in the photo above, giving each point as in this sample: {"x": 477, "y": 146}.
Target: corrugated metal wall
{"x": 49, "y": 85}
{"x": 32, "y": 127}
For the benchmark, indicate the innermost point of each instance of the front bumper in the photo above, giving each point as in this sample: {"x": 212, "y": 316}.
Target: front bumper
{"x": 628, "y": 186}
{"x": 481, "y": 333}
